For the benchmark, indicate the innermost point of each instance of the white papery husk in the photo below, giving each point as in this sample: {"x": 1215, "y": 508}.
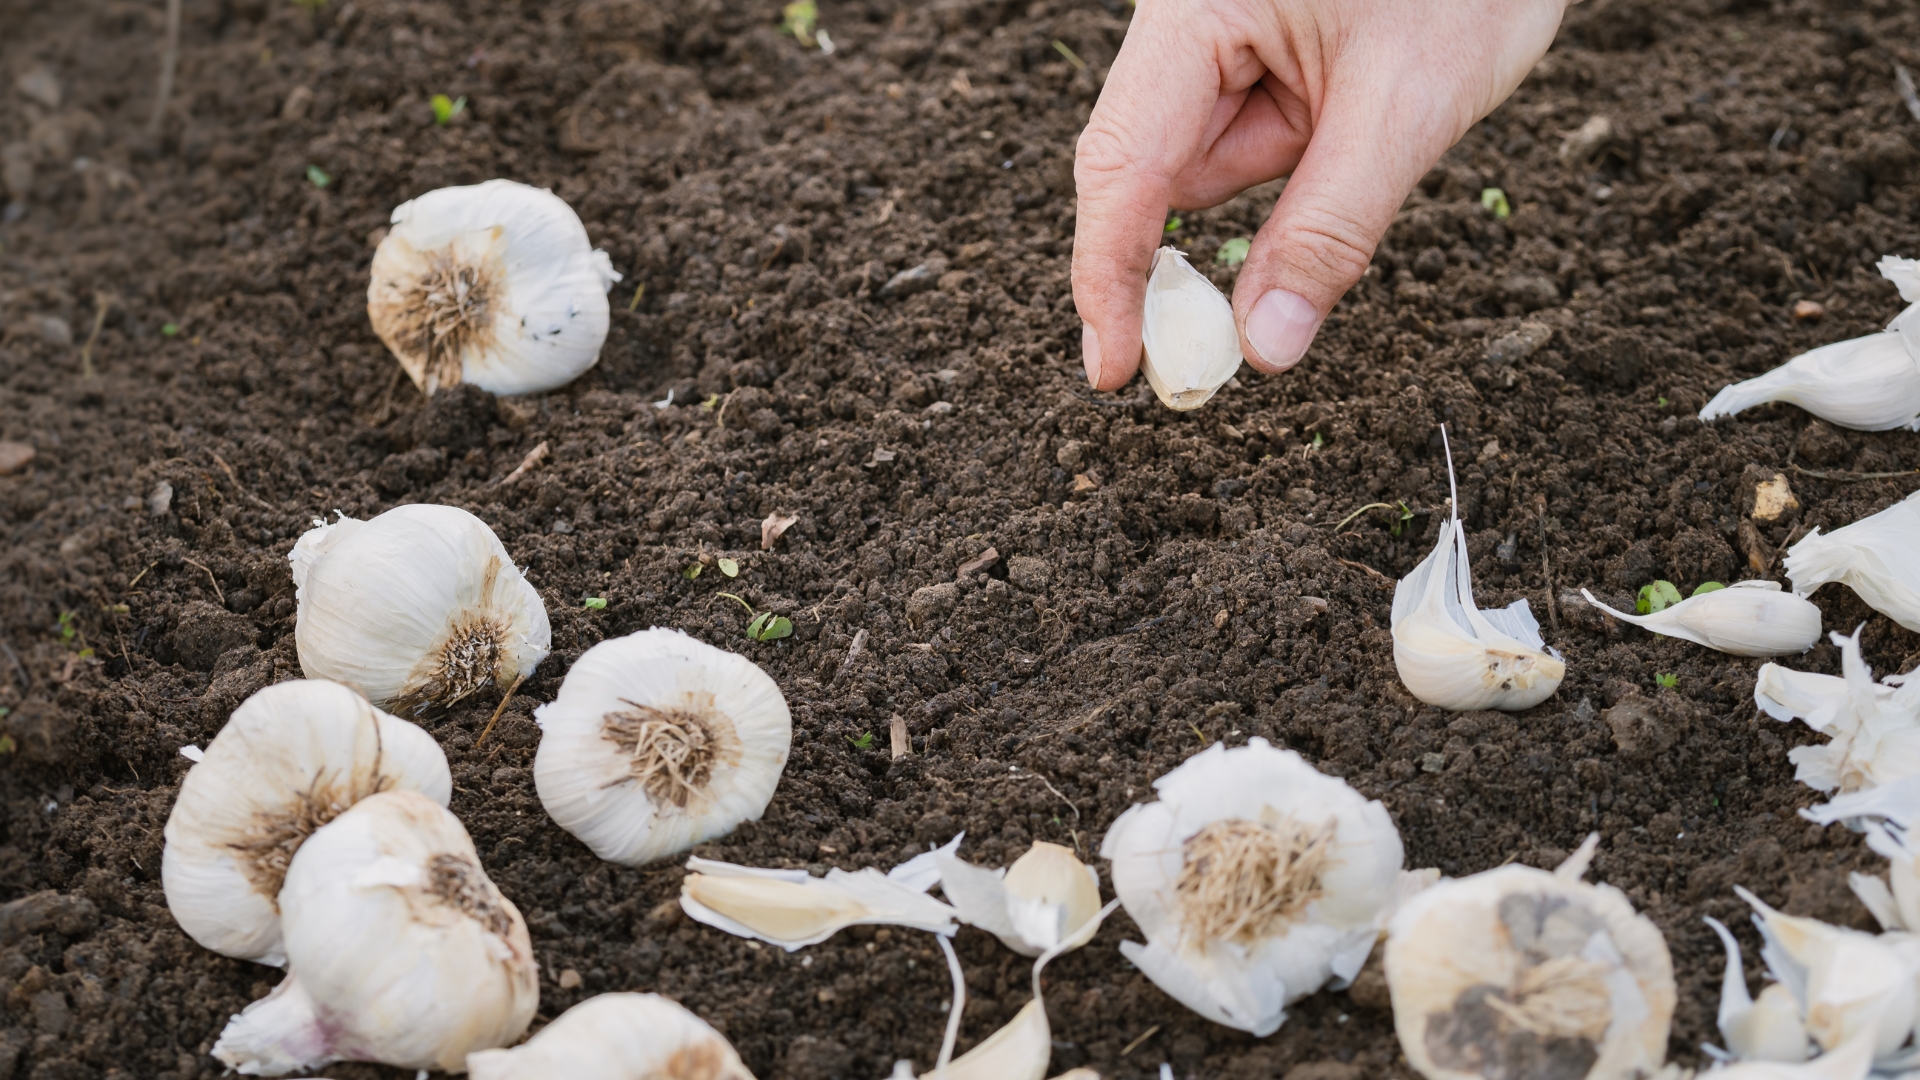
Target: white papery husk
{"x": 1851, "y": 1062}
{"x": 1046, "y": 899}
{"x": 1327, "y": 920}
{"x": 1869, "y": 383}
{"x": 1848, "y": 984}
{"x": 793, "y": 909}
{"x": 1517, "y": 967}
{"x": 416, "y": 608}
{"x": 399, "y": 950}
{"x": 495, "y": 284}
{"x": 1875, "y": 557}
{"x": 290, "y": 759}
{"x": 1767, "y": 1029}
{"x": 1747, "y": 618}
{"x": 616, "y": 1037}
{"x": 657, "y": 742}
{"x": 1190, "y": 343}
{"x": 1873, "y": 728}
{"x": 1888, "y": 814}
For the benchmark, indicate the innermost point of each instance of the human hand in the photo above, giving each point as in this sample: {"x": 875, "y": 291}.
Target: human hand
{"x": 1356, "y": 99}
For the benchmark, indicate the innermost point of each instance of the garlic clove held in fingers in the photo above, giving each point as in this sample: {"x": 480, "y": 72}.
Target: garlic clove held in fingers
{"x": 399, "y": 950}
{"x": 1747, "y": 618}
{"x": 417, "y": 608}
{"x": 291, "y": 758}
{"x": 495, "y": 284}
{"x": 793, "y": 909}
{"x": 1046, "y": 899}
{"x": 617, "y": 1037}
{"x": 1190, "y": 343}
{"x": 1875, "y": 557}
{"x": 657, "y": 742}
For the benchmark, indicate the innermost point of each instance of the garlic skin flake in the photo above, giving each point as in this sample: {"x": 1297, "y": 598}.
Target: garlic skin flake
{"x": 1848, "y": 984}
{"x": 1769, "y": 1029}
{"x": 616, "y": 1037}
{"x": 793, "y": 909}
{"x": 1046, "y": 899}
{"x": 1873, "y": 556}
{"x": 1747, "y": 618}
{"x": 1189, "y": 341}
{"x": 1851, "y": 1062}
{"x": 1873, "y": 728}
{"x": 1888, "y": 815}
{"x": 291, "y": 758}
{"x": 657, "y": 742}
{"x": 495, "y": 284}
{"x": 417, "y": 608}
{"x": 399, "y": 950}
{"x": 1255, "y": 878}
{"x": 1521, "y": 972}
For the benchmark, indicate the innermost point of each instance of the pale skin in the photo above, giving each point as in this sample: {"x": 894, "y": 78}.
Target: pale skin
{"x": 1354, "y": 100}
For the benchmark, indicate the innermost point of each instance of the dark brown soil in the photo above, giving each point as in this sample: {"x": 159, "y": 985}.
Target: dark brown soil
{"x": 764, "y": 195}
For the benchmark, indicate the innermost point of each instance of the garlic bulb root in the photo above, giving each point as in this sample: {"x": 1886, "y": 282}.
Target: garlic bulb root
{"x": 617, "y": 1037}
{"x": 1747, "y": 618}
{"x": 1190, "y": 345}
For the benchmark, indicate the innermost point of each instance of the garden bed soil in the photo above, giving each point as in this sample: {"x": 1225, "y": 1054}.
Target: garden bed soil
{"x": 1158, "y": 581}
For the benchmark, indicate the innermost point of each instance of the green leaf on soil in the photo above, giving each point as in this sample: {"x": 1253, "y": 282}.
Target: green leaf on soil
{"x": 170, "y": 330}
{"x": 729, "y": 567}
{"x": 1318, "y": 442}
{"x": 1661, "y": 401}
{"x": 712, "y": 400}
{"x": 767, "y": 626}
{"x": 691, "y": 572}
{"x": 1173, "y": 223}
{"x": 1658, "y": 596}
{"x": 6, "y": 744}
{"x": 1233, "y": 252}
{"x": 864, "y": 742}
{"x": 1495, "y": 200}
{"x": 1707, "y": 587}
{"x": 446, "y": 108}
{"x": 1667, "y": 681}
{"x": 595, "y": 603}
{"x": 799, "y": 18}
{"x": 318, "y": 176}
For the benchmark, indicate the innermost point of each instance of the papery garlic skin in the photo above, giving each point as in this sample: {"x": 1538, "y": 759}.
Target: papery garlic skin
{"x": 1521, "y": 972}
{"x": 417, "y": 608}
{"x": 617, "y": 1037}
{"x": 1848, "y": 984}
{"x": 1874, "y": 557}
{"x": 1190, "y": 343}
{"x": 399, "y": 950}
{"x": 1853, "y": 1061}
{"x": 1888, "y": 814}
{"x": 495, "y": 284}
{"x": 1255, "y": 878}
{"x": 1873, "y": 728}
{"x": 793, "y": 909}
{"x": 1747, "y": 618}
{"x": 1769, "y": 1029}
{"x": 1046, "y": 899}
{"x": 290, "y": 759}
{"x": 657, "y": 742}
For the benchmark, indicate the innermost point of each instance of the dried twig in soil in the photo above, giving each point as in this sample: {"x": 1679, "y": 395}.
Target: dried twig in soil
{"x": 1851, "y": 478}
{"x": 216, "y": 582}
{"x": 100, "y": 305}
{"x": 169, "y": 60}
{"x": 534, "y": 457}
{"x": 504, "y": 698}
{"x": 228, "y": 469}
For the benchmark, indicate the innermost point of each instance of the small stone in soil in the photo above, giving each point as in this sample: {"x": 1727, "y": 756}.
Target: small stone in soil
{"x": 14, "y": 456}
{"x": 1808, "y": 310}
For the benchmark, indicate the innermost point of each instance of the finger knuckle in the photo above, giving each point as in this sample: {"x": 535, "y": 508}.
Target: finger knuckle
{"x": 1100, "y": 154}
{"x": 1336, "y": 246}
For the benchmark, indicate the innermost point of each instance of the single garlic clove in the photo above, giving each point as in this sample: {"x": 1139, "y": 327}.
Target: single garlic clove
{"x": 1769, "y": 1029}
{"x": 1848, "y": 984}
{"x": 1873, "y": 728}
{"x": 1018, "y": 1051}
{"x": 417, "y": 608}
{"x": 1853, "y": 1061}
{"x": 1747, "y": 618}
{"x": 793, "y": 909}
{"x": 1190, "y": 344}
{"x": 1047, "y": 898}
{"x": 1256, "y": 880}
{"x": 1521, "y": 972}
{"x": 399, "y": 949}
{"x": 657, "y": 742}
{"x": 290, "y": 759}
{"x": 495, "y": 284}
{"x": 1874, "y": 557}
{"x": 616, "y": 1037}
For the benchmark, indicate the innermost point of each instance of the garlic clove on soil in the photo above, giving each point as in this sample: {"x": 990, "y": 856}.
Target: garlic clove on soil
{"x": 1747, "y": 618}
{"x": 1873, "y": 728}
{"x": 617, "y": 1037}
{"x": 1521, "y": 972}
{"x": 399, "y": 949}
{"x": 495, "y": 284}
{"x": 1190, "y": 345}
{"x": 1046, "y": 899}
{"x": 1873, "y": 556}
{"x": 417, "y": 608}
{"x": 1847, "y": 983}
{"x": 290, "y": 759}
{"x": 657, "y": 742}
{"x": 1453, "y": 655}
{"x": 1853, "y": 1061}
{"x": 1769, "y": 1029}
{"x": 793, "y": 909}
{"x": 1256, "y": 880}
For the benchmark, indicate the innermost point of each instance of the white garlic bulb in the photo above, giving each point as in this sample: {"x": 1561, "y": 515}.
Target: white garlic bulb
{"x": 1520, "y": 972}
{"x": 1873, "y": 556}
{"x": 1769, "y": 1029}
{"x": 1046, "y": 899}
{"x": 657, "y": 742}
{"x": 793, "y": 909}
{"x": 1873, "y": 728}
{"x": 290, "y": 759}
{"x": 1256, "y": 880}
{"x": 617, "y": 1037}
{"x": 1848, "y": 984}
{"x": 399, "y": 950}
{"x": 1190, "y": 345}
{"x": 416, "y": 608}
{"x": 495, "y": 284}
{"x": 1747, "y": 618}
{"x": 1453, "y": 655}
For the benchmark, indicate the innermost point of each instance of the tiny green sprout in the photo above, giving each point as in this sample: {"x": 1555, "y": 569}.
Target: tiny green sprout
{"x": 1667, "y": 681}
{"x": 1715, "y": 799}
{"x": 6, "y": 744}
{"x": 1495, "y": 200}
{"x": 67, "y": 630}
{"x": 864, "y": 742}
{"x": 799, "y": 18}
{"x": 1657, "y": 596}
{"x": 712, "y": 401}
{"x": 1173, "y": 223}
{"x": 1071, "y": 56}
{"x": 1661, "y": 401}
{"x": 595, "y": 603}
{"x": 1707, "y": 587}
{"x": 1400, "y": 524}
{"x": 637, "y": 294}
{"x": 446, "y": 108}
{"x": 691, "y": 572}
{"x": 728, "y": 567}
{"x": 767, "y": 626}
{"x": 170, "y": 330}
{"x": 318, "y": 177}
{"x": 1233, "y": 252}
{"x": 86, "y": 654}
{"x": 1318, "y": 442}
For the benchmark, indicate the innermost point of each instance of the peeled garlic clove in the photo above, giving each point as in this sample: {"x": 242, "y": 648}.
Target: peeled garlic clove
{"x": 1851, "y": 1062}
{"x": 495, "y": 284}
{"x": 793, "y": 909}
{"x": 290, "y": 759}
{"x": 1047, "y": 898}
{"x": 1453, "y": 655}
{"x": 1873, "y": 728}
{"x": 1256, "y": 880}
{"x": 1191, "y": 346}
{"x": 1848, "y": 984}
{"x": 417, "y": 608}
{"x": 616, "y": 1037}
{"x": 1873, "y": 556}
{"x": 1520, "y": 972}
{"x": 1769, "y": 1029}
{"x": 399, "y": 950}
{"x": 1747, "y": 618}
{"x": 657, "y": 742}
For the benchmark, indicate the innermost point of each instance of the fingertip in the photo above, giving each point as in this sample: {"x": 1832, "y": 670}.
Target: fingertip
{"x": 1090, "y": 353}
{"x": 1279, "y": 329}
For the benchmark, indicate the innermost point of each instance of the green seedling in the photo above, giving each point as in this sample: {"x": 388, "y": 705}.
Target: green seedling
{"x": 1404, "y": 515}
{"x": 1707, "y": 587}
{"x": 713, "y": 400}
{"x": 318, "y": 177}
{"x": 1318, "y": 442}
{"x": 863, "y": 742}
{"x": 1496, "y": 200}
{"x": 692, "y": 572}
{"x": 1667, "y": 681}
{"x": 799, "y": 18}
{"x": 446, "y": 108}
{"x": 1173, "y": 223}
{"x": 1661, "y": 401}
{"x": 766, "y": 626}
{"x": 637, "y": 294}
{"x": 170, "y": 330}
{"x": 6, "y": 744}
{"x": 1071, "y": 56}
{"x": 595, "y": 603}
{"x": 728, "y": 567}
{"x": 1658, "y": 596}
{"x": 1233, "y": 252}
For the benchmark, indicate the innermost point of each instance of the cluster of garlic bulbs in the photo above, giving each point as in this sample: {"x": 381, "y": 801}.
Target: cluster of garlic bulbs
{"x": 494, "y": 284}
{"x": 1190, "y": 345}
